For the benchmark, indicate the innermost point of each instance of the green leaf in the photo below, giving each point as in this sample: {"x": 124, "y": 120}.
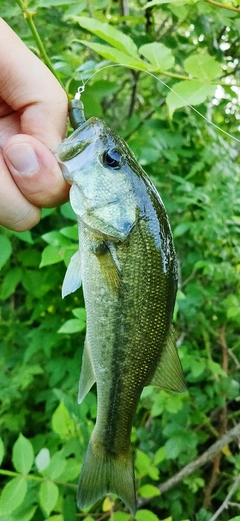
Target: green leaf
{"x": 5, "y": 250}
{"x": 190, "y": 92}
{"x": 23, "y": 514}
{"x": 12, "y": 495}
{"x": 55, "y": 3}
{"x": 10, "y": 282}
{"x": 114, "y": 55}
{"x": 67, "y": 212}
{"x": 42, "y": 459}
{"x": 181, "y": 229}
{"x": 24, "y": 236}
{"x": 62, "y": 422}
{"x": 159, "y": 55}
{"x": 70, "y": 471}
{"x": 48, "y": 496}
{"x": 71, "y": 232}
{"x": 56, "y": 467}
{"x": 51, "y": 255}
{"x": 79, "y": 313}
{"x": 74, "y": 325}
{"x": 120, "y": 516}
{"x": 159, "y": 456}
{"x": 145, "y": 515}
{"x": 109, "y": 34}
{"x": 144, "y": 465}
{"x": 56, "y": 517}
{"x": 2, "y": 451}
{"x": 23, "y": 455}
{"x": 148, "y": 491}
{"x": 56, "y": 239}
{"x": 202, "y": 66}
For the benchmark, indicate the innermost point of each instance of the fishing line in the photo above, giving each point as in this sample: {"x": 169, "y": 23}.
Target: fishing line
{"x": 81, "y": 89}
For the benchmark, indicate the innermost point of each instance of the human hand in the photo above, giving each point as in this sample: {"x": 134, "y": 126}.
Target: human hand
{"x": 33, "y": 119}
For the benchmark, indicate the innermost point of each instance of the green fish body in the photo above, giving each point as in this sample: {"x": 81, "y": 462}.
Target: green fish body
{"x": 128, "y": 269}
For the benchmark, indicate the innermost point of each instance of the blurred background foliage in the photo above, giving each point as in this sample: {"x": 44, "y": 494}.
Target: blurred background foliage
{"x": 44, "y": 433}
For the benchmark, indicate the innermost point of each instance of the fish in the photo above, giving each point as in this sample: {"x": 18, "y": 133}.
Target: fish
{"x": 127, "y": 266}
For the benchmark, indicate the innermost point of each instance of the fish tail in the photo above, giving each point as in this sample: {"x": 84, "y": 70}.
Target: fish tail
{"x": 103, "y": 473}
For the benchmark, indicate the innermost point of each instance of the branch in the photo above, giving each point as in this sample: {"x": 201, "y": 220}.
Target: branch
{"x": 199, "y": 462}
{"x": 28, "y": 15}
{"x": 226, "y": 500}
{"x": 204, "y": 458}
{"x": 218, "y": 4}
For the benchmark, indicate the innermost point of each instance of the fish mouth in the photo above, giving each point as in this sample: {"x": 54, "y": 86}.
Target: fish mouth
{"x": 74, "y": 152}
{"x": 79, "y": 140}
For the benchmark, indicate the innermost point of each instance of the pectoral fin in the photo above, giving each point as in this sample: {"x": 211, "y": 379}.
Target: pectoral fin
{"x": 109, "y": 265}
{"x": 87, "y": 378}
{"x": 72, "y": 279}
{"x": 169, "y": 373}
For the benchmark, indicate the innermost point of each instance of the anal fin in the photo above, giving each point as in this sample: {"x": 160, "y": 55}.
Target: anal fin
{"x": 169, "y": 373}
{"x": 87, "y": 377}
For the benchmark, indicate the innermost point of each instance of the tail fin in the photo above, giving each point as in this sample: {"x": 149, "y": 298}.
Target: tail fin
{"x": 102, "y": 473}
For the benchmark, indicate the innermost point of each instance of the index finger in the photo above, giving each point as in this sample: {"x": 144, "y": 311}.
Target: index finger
{"x": 27, "y": 85}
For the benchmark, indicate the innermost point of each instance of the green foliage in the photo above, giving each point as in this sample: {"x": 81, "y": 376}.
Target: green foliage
{"x": 193, "y": 47}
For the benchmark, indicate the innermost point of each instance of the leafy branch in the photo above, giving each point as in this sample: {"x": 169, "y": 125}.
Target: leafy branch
{"x": 207, "y": 456}
{"x": 28, "y": 15}
{"x": 223, "y": 6}
{"x": 32, "y": 477}
{"x": 226, "y": 502}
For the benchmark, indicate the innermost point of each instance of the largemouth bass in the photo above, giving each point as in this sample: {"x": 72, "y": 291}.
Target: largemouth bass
{"x": 128, "y": 269}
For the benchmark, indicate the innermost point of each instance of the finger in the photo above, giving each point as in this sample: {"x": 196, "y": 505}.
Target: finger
{"x": 28, "y": 86}
{"x": 16, "y": 212}
{"x": 35, "y": 171}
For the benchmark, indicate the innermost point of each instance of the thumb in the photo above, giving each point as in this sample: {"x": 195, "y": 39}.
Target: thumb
{"x": 35, "y": 171}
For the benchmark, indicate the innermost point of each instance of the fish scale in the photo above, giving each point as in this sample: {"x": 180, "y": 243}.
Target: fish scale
{"x": 129, "y": 277}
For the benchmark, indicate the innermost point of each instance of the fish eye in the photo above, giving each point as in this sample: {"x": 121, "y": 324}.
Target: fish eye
{"x": 111, "y": 158}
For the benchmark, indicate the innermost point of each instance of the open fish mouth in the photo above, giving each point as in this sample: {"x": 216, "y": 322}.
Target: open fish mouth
{"x": 79, "y": 140}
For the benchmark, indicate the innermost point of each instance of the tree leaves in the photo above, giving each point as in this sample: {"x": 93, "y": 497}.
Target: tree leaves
{"x": 75, "y": 325}
{"x": 202, "y": 66}
{"x": 13, "y": 494}
{"x": 5, "y": 250}
{"x": 160, "y": 56}
{"x": 189, "y": 46}
{"x": 2, "y": 450}
{"x": 108, "y": 33}
{"x": 23, "y": 455}
{"x": 48, "y": 496}
{"x": 143, "y": 515}
{"x": 191, "y": 92}
{"x": 114, "y": 55}
{"x": 62, "y": 422}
